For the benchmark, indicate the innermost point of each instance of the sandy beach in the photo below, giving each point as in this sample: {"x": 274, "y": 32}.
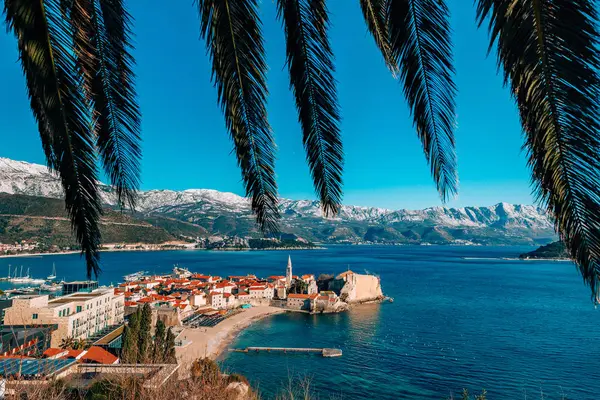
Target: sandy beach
{"x": 211, "y": 342}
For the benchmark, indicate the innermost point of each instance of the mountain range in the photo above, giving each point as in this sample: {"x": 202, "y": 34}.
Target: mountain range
{"x": 205, "y": 212}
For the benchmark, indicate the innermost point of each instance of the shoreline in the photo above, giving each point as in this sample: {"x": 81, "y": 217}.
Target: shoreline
{"x": 212, "y": 342}
{"x": 60, "y": 253}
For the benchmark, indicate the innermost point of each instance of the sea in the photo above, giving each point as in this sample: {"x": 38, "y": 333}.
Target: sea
{"x": 462, "y": 317}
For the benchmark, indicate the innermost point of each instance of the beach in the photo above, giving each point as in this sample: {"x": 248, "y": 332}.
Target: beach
{"x": 212, "y": 341}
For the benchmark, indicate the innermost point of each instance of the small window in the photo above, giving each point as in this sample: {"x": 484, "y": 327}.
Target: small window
{"x": 34, "y": 316}
{"x": 78, "y": 308}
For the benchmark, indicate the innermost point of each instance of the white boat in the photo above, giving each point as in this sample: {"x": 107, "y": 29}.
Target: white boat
{"x": 181, "y": 273}
{"x": 136, "y": 276}
{"x": 53, "y": 275}
{"x": 20, "y": 278}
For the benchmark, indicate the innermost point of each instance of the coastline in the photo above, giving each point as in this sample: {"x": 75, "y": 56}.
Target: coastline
{"x": 59, "y": 253}
{"x": 212, "y": 342}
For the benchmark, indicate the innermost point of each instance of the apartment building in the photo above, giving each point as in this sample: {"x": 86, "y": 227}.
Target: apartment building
{"x": 78, "y": 315}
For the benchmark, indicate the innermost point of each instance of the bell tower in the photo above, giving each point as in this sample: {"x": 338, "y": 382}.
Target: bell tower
{"x": 288, "y": 273}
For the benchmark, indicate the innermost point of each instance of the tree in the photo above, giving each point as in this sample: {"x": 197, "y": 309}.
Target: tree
{"x": 130, "y": 349}
{"x": 67, "y": 343}
{"x": 159, "y": 342}
{"x": 299, "y": 286}
{"x": 76, "y": 59}
{"x": 145, "y": 334}
{"x": 80, "y": 344}
{"x": 169, "y": 349}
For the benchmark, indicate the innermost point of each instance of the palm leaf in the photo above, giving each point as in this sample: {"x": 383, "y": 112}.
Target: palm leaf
{"x": 548, "y": 50}
{"x": 375, "y": 14}
{"x": 233, "y": 37}
{"x": 420, "y": 40}
{"x": 102, "y": 45}
{"x": 45, "y": 47}
{"x": 310, "y": 62}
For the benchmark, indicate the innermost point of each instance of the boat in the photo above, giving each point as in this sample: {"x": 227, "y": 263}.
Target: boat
{"x": 180, "y": 272}
{"x": 136, "y": 276}
{"x": 20, "y": 278}
{"x": 54, "y": 287}
{"x": 25, "y": 278}
{"x": 52, "y": 276}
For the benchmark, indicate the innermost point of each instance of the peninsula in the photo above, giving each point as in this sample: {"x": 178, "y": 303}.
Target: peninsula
{"x": 551, "y": 251}
{"x": 208, "y": 311}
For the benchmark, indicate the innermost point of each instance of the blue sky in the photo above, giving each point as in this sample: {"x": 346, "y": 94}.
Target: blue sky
{"x": 186, "y": 144}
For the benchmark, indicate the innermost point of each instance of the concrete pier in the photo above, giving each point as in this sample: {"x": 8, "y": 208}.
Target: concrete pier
{"x": 323, "y": 351}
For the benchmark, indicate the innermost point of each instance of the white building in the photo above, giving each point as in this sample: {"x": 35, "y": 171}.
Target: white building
{"x": 78, "y": 315}
{"x": 261, "y": 292}
{"x": 216, "y": 300}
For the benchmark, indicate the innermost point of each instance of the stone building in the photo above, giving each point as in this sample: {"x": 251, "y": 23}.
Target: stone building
{"x": 301, "y": 301}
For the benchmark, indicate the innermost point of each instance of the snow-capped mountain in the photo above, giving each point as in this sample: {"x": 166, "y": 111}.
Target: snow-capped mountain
{"x": 201, "y": 205}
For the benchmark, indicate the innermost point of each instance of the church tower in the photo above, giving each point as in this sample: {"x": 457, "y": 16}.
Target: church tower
{"x": 288, "y": 273}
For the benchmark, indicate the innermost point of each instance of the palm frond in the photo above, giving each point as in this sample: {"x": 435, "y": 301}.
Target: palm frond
{"x": 310, "y": 63}
{"x": 420, "y": 41}
{"x": 548, "y": 51}
{"x": 232, "y": 30}
{"x": 45, "y": 46}
{"x": 102, "y": 45}
{"x": 375, "y": 14}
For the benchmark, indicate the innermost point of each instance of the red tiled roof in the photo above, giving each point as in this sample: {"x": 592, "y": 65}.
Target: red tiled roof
{"x": 298, "y": 296}
{"x": 130, "y": 303}
{"x": 145, "y": 300}
{"x": 53, "y": 352}
{"x": 98, "y": 355}
{"x": 75, "y": 354}
{"x": 215, "y": 293}
{"x": 227, "y": 295}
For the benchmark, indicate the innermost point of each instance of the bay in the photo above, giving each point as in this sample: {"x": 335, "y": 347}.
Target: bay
{"x": 462, "y": 317}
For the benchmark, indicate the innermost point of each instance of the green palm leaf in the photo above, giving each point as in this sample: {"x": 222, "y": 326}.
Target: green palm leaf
{"x": 45, "y": 47}
{"x": 376, "y": 17}
{"x": 548, "y": 50}
{"x": 310, "y": 62}
{"x": 420, "y": 41}
{"x": 233, "y": 37}
{"x": 102, "y": 45}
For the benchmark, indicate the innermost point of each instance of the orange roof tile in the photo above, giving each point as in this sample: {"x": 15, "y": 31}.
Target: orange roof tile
{"x": 53, "y": 352}
{"x": 98, "y": 355}
{"x": 75, "y": 354}
{"x": 298, "y": 296}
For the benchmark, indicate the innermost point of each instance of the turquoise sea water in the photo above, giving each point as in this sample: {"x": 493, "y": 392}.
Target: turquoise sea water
{"x": 462, "y": 317}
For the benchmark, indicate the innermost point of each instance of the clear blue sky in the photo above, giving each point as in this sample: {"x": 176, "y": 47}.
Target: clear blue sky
{"x": 186, "y": 144}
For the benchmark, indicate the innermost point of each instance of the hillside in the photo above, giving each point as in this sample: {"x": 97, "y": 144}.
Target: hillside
{"x": 204, "y": 212}
{"x": 44, "y": 220}
{"x": 554, "y": 250}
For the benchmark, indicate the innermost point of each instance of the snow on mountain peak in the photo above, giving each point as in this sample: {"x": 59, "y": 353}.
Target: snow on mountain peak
{"x": 18, "y": 177}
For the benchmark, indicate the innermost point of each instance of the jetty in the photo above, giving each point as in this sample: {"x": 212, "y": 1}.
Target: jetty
{"x": 323, "y": 351}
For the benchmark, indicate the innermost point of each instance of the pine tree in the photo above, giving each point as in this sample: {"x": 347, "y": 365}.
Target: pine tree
{"x": 159, "y": 342}
{"x": 129, "y": 350}
{"x": 145, "y": 335}
{"x": 169, "y": 349}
